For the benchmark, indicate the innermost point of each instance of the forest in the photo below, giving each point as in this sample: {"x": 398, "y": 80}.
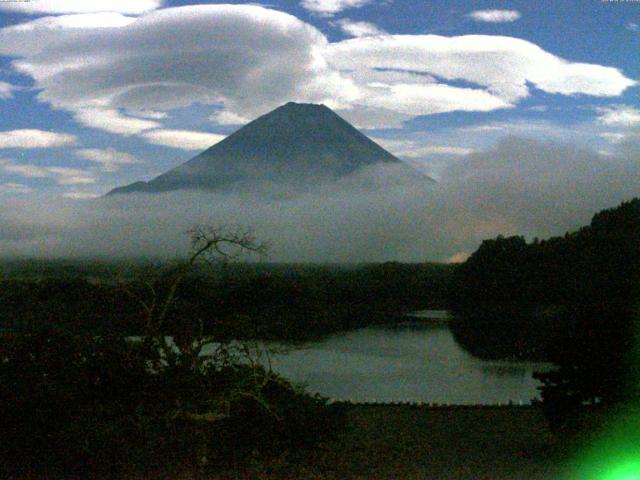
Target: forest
{"x": 268, "y": 301}
{"x": 517, "y": 299}
{"x": 571, "y": 300}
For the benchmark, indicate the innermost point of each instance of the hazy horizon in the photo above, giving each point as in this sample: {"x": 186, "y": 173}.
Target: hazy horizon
{"x": 377, "y": 214}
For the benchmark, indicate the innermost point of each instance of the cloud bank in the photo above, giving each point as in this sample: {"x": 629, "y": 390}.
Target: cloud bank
{"x": 518, "y": 186}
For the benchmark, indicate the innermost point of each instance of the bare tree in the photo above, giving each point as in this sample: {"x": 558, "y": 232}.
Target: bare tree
{"x": 210, "y": 246}
{"x": 197, "y": 350}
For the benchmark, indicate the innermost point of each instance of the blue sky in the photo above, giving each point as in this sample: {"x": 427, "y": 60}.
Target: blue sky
{"x": 100, "y": 93}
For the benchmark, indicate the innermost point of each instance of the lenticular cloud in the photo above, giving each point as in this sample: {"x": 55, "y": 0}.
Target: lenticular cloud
{"x": 250, "y": 59}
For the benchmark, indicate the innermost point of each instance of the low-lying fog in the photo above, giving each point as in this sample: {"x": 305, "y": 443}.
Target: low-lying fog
{"x": 520, "y": 186}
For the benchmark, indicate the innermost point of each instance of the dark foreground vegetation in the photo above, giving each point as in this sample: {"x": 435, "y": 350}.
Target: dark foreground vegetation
{"x": 80, "y": 406}
{"x": 284, "y": 302}
{"x": 522, "y": 300}
{"x": 93, "y": 387}
{"x": 573, "y": 300}
{"x": 83, "y": 399}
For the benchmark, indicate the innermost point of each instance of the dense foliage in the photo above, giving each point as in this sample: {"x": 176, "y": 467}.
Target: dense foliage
{"x": 282, "y": 302}
{"x": 509, "y": 297}
{"x": 80, "y": 406}
{"x": 82, "y": 399}
{"x": 572, "y": 300}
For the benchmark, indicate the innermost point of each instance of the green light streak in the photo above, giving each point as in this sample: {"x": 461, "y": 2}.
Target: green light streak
{"x": 614, "y": 451}
{"x": 625, "y": 471}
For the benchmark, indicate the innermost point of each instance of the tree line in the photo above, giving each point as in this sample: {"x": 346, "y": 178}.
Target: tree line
{"x": 269, "y": 302}
{"x": 572, "y": 300}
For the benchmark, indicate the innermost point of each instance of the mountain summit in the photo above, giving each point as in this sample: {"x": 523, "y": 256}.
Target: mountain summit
{"x": 295, "y": 143}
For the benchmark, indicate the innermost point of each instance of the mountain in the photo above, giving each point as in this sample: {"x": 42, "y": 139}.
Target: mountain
{"x": 293, "y": 144}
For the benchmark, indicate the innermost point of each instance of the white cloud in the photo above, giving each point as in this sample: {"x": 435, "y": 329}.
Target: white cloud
{"x": 14, "y": 188}
{"x": 71, "y": 176}
{"x": 518, "y": 186}
{"x": 582, "y": 78}
{"x": 388, "y": 77}
{"x": 439, "y": 98}
{"x": 619, "y": 116}
{"x": 491, "y": 127}
{"x": 495, "y": 16}
{"x": 224, "y": 117}
{"x": 30, "y": 138}
{"x": 359, "y": 29}
{"x": 113, "y": 121}
{"x": 171, "y": 58}
{"x": 366, "y": 117}
{"x": 61, "y": 175}
{"x": 23, "y": 170}
{"x": 439, "y": 150}
{"x": 40, "y": 32}
{"x": 423, "y": 153}
{"x": 613, "y": 137}
{"x": 503, "y": 65}
{"x": 148, "y": 114}
{"x": 80, "y": 195}
{"x": 415, "y": 149}
{"x": 331, "y": 7}
{"x": 182, "y": 139}
{"x": 480, "y": 135}
{"x": 634, "y": 27}
{"x": 6, "y": 90}
{"x": 38, "y": 7}
{"x": 249, "y": 60}
{"x": 109, "y": 159}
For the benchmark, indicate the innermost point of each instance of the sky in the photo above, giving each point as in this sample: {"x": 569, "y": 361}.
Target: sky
{"x": 505, "y": 103}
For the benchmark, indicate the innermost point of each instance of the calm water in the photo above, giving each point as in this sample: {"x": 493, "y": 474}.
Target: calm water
{"x": 416, "y": 362}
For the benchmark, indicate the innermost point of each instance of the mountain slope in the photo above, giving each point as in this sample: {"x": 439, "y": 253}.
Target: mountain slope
{"x": 293, "y": 144}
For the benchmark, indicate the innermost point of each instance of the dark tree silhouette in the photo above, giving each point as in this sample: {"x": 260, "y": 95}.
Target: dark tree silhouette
{"x": 572, "y": 300}
{"x": 79, "y": 403}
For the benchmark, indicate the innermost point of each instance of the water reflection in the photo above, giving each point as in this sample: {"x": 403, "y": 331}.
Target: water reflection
{"x": 415, "y": 362}
{"x": 503, "y": 370}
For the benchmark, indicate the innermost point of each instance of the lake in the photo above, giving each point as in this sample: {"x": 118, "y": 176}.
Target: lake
{"x": 418, "y": 361}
